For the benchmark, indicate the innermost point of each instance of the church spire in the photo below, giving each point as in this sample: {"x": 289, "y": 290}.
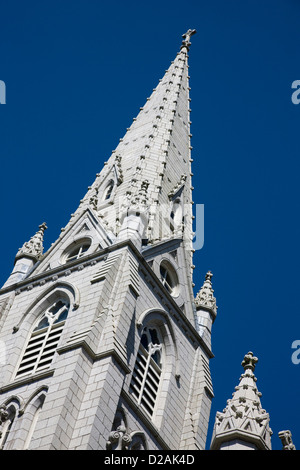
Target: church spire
{"x": 157, "y": 143}
{"x": 243, "y": 424}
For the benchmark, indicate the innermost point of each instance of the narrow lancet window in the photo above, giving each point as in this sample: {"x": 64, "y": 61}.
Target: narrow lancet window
{"x": 108, "y": 191}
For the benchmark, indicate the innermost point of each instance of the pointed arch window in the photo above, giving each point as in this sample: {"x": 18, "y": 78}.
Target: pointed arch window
{"x": 44, "y": 339}
{"x": 34, "y": 411}
{"x": 108, "y": 191}
{"x": 147, "y": 370}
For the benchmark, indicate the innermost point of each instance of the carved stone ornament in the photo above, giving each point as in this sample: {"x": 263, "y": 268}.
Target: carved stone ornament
{"x": 3, "y": 414}
{"x": 249, "y": 361}
{"x": 93, "y": 201}
{"x": 137, "y": 198}
{"x": 286, "y": 439}
{"x": 119, "y": 439}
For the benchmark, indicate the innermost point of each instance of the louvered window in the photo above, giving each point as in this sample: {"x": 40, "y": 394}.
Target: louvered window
{"x": 147, "y": 370}
{"x": 44, "y": 339}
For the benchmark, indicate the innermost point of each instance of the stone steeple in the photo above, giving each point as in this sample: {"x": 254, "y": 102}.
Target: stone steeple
{"x": 243, "y": 424}
{"x": 149, "y": 172}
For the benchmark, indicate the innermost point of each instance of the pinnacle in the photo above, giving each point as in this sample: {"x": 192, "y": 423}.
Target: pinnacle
{"x": 244, "y": 415}
{"x": 205, "y": 297}
{"x": 34, "y": 247}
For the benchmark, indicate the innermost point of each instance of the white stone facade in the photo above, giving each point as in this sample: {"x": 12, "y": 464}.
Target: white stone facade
{"x": 90, "y": 375}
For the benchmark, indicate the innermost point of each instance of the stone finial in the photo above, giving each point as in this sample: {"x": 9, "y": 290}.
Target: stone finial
{"x": 187, "y": 38}
{"x": 249, "y": 361}
{"x": 286, "y": 439}
{"x": 205, "y": 297}
{"x": 34, "y": 247}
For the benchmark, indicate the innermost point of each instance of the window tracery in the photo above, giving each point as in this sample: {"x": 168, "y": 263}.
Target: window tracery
{"x": 77, "y": 252}
{"x": 44, "y": 339}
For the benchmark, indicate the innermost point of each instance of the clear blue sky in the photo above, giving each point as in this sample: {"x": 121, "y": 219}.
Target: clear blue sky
{"x": 76, "y": 74}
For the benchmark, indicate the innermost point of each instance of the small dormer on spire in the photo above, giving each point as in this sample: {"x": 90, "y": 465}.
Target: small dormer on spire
{"x": 34, "y": 247}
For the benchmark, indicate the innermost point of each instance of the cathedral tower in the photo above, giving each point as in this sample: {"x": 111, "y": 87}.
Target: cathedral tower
{"x": 105, "y": 347}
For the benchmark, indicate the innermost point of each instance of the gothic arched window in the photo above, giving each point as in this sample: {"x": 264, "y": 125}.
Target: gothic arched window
{"x": 34, "y": 412}
{"x": 147, "y": 370}
{"x": 44, "y": 339}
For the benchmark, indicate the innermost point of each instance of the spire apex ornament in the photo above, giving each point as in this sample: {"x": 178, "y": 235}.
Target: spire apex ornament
{"x": 187, "y": 38}
{"x": 249, "y": 361}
